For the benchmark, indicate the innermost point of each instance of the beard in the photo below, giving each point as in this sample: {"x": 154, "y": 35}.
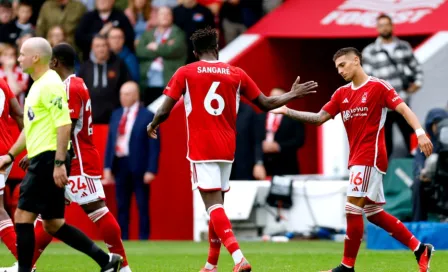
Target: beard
{"x": 386, "y": 36}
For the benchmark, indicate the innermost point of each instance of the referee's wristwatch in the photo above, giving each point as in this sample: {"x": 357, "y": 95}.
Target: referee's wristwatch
{"x": 59, "y": 163}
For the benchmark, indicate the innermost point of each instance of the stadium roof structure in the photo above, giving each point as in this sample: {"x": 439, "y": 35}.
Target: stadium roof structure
{"x": 352, "y": 18}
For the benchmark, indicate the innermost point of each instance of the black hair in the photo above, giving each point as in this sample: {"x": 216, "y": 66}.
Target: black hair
{"x": 205, "y": 40}
{"x": 65, "y": 54}
{"x": 347, "y": 50}
{"x": 5, "y": 4}
{"x": 384, "y": 16}
{"x": 25, "y": 3}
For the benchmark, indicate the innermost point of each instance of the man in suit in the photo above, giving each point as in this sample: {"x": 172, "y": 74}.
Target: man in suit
{"x": 248, "y": 164}
{"x": 284, "y": 137}
{"x": 131, "y": 158}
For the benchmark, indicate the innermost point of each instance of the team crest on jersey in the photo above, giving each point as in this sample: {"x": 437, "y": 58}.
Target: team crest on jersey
{"x": 30, "y": 114}
{"x": 364, "y": 98}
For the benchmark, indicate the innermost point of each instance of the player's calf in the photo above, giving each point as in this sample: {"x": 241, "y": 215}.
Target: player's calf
{"x": 7, "y": 231}
{"x": 109, "y": 228}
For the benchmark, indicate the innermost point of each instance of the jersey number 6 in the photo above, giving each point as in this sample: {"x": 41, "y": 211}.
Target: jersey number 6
{"x": 212, "y": 95}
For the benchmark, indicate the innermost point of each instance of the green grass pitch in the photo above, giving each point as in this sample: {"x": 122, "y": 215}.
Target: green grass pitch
{"x": 190, "y": 256}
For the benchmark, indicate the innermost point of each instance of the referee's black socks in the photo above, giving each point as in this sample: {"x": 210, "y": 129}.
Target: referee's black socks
{"x": 25, "y": 246}
{"x": 79, "y": 241}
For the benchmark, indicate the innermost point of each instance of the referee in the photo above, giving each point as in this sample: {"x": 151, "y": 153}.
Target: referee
{"x": 46, "y": 137}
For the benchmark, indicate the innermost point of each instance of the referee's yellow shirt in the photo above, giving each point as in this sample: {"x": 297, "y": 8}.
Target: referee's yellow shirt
{"x": 46, "y": 109}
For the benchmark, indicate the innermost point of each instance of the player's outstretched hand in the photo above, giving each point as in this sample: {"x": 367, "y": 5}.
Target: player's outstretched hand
{"x": 281, "y": 110}
{"x": 24, "y": 163}
{"x": 425, "y": 145}
{"x": 60, "y": 176}
{"x": 303, "y": 89}
{"x": 152, "y": 131}
{"x": 5, "y": 161}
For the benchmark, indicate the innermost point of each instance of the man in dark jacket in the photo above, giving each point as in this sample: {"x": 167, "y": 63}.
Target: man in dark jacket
{"x": 248, "y": 163}
{"x": 103, "y": 74}
{"x": 191, "y": 16}
{"x": 102, "y": 20}
{"x": 421, "y": 187}
{"x": 284, "y": 136}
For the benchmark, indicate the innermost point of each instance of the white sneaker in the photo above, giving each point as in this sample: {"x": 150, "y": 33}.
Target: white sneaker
{"x": 14, "y": 268}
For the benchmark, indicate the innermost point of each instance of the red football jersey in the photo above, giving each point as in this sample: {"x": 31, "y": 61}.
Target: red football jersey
{"x": 6, "y": 139}
{"x": 211, "y": 92}
{"x": 363, "y": 112}
{"x": 87, "y": 158}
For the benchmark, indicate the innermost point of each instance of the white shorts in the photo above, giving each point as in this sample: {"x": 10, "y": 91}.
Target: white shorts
{"x": 3, "y": 177}
{"x": 366, "y": 181}
{"x": 84, "y": 190}
{"x": 211, "y": 176}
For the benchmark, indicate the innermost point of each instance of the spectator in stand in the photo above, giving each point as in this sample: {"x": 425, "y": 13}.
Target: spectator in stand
{"x": 56, "y": 35}
{"x": 11, "y": 31}
{"x": 161, "y": 52}
{"x": 252, "y": 11}
{"x": 191, "y": 16}
{"x": 101, "y": 21}
{"x": 393, "y": 60}
{"x": 115, "y": 39}
{"x": 5, "y": 13}
{"x": 138, "y": 12}
{"x": 13, "y": 74}
{"x": 131, "y": 159}
{"x": 155, "y": 5}
{"x": 25, "y": 35}
{"x": 284, "y": 137}
{"x": 63, "y": 13}
{"x": 104, "y": 74}
{"x": 36, "y": 6}
{"x": 231, "y": 20}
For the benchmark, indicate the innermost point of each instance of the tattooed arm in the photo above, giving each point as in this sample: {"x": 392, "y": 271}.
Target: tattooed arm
{"x": 305, "y": 117}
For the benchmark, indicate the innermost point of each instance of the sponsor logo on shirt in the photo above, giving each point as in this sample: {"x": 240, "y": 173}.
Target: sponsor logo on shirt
{"x": 57, "y": 102}
{"x": 198, "y": 17}
{"x": 355, "y": 112}
{"x": 364, "y": 12}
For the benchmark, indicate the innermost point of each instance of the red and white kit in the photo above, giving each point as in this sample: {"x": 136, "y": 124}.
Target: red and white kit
{"x": 211, "y": 92}
{"x": 363, "y": 112}
{"x": 6, "y": 139}
{"x": 84, "y": 182}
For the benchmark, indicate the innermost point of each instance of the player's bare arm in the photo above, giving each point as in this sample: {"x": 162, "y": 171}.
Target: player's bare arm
{"x": 60, "y": 173}
{"x": 15, "y": 150}
{"x": 423, "y": 141}
{"x": 305, "y": 117}
{"x": 16, "y": 112}
{"x": 297, "y": 91}
{"x": 161, "y": 115}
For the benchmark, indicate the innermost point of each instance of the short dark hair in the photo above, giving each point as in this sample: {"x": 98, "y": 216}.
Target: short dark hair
{"x": 384, "y": 16}
{"x": 5, "y": 4}
{"x": 347, "y": 50}
{"x": 25, "y": 3}
{"x": 205, "y": 40}
{"x": 65, "y": 54}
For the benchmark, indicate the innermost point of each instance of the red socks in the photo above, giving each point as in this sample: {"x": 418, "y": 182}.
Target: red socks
{"x": 215, "y": 245}
{"x": 110, "y": 230}
{"x": 222, "y": 227}
{"x": 8, "y": 236}
{"x": 355, "y": 231}
{"x": 393, "y": 226}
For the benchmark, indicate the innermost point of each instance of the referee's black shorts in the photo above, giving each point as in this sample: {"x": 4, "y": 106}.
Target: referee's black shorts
{"x": 38, "y": 191}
